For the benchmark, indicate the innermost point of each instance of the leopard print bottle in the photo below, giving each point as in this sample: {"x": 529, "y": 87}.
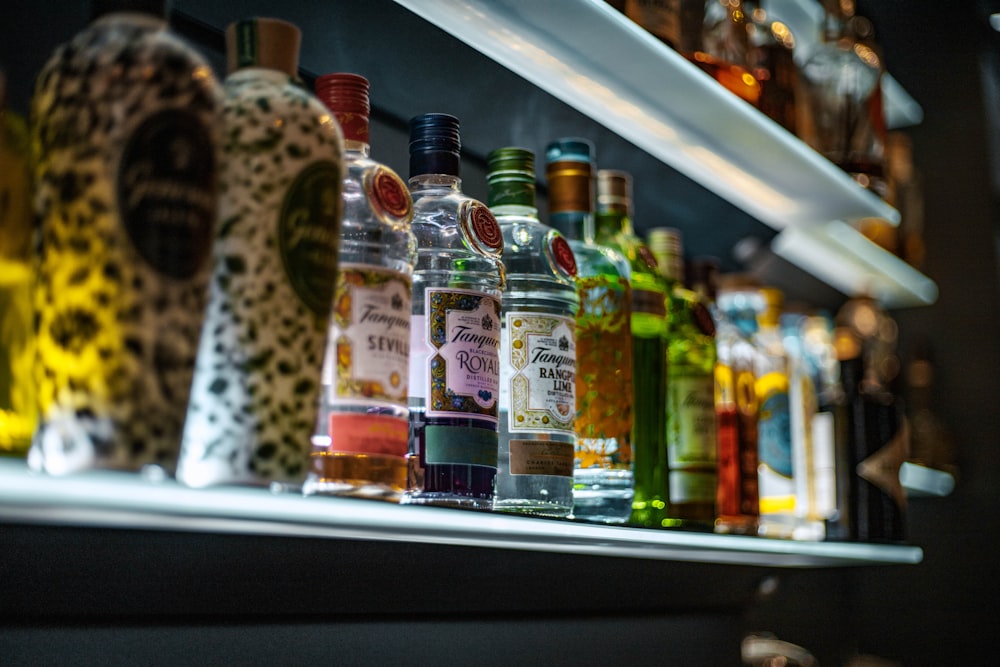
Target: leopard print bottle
{"x": 256, "y": 389}
{"x": 125, "y": 132}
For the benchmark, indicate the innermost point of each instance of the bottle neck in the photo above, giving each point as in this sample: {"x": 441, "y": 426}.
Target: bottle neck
{"x": 515, "y": 210}
{"x": 423, "y": 183}
{"x": 574, "y": 225}
{"x": 613, "y": 221}
{"x": 358, "y": 148}
{"x": 511, "y": 193}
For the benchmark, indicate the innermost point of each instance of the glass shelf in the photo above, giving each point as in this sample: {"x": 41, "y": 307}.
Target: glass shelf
{"x": 920, "y": 480}
{"x": 591, "y": 57}
{"x": 120, "y": 500}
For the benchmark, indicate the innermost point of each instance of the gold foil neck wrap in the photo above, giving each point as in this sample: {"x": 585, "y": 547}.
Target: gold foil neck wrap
{"x": 571, "y": 186}
{"x": 263, "y": 42}
{"x": 614, "y": 191}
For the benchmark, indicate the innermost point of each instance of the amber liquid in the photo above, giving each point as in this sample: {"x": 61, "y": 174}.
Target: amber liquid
{"x": 738, "y": 510}
{"x": 358, "y": 475}
{"x": 734, "y": 78}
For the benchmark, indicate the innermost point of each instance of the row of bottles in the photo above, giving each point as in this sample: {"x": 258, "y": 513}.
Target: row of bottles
{"x": 230, "y": 289}
{"x": 828, "y": 94}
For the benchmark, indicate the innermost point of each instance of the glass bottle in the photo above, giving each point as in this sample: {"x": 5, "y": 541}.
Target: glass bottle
{"x": 736, "y": 408}
{"x": 648, "y": 308}
{"x": 603, "y": 479}
{"x": 125, "y": 132}
{"x": 712, "y": 34}
{"x": 455, "y": 331}
{"x": 257, "y": 383}
{"x": 774, "y": 436}
{"x": 362, "y": 433}
{"x": 771, "y": 60}
{"x": 932, "y": 443}
{"x": 18, "y": 405}
{"x": 537, "y": 346}
{"x": 692, "y": 431}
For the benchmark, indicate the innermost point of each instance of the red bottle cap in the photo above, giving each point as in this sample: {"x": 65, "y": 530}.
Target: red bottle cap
{"x": 346, "y": 95}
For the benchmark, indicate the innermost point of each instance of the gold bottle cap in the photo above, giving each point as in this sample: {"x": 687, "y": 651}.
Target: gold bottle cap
{"x": 263, "y": 42}
{"x": 614, "y": 191}
{"x": 570, "y": 186}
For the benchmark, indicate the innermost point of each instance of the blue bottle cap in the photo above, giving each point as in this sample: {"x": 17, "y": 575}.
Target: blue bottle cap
{"x": 435, "y": 144}
{"x": 572, "y": 149}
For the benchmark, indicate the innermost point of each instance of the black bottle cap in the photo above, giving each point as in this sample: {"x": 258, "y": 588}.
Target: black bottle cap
{"x": 99, "y": 8}
{"x": 435, "y": 145}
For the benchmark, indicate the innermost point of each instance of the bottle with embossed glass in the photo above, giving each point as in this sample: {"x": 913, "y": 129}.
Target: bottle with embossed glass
{"x": 613, "y": 222}
{"x": 603, "y": 480}
{"x": 125, "y": 132}
{"x": 363, "y": 429}
{"x": 455, "y": 330}
{"x": 257, "y": 383}
{"x": 537, "y": 346}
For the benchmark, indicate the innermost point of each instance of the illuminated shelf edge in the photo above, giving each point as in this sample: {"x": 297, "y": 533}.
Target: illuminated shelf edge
{"x": 920, "y": 480}
{"x": 121, "y": 500}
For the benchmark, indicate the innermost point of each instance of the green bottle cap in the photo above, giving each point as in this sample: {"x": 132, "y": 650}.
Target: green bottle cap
{"x": 511, "y": 177}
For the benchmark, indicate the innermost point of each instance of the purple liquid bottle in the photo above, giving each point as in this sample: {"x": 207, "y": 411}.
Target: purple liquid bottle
{"x": 455, "y": 330}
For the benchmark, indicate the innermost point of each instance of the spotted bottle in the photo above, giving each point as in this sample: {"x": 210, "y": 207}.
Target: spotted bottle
{"x": 257, "y": 383}
{"x": 125, "y": 130}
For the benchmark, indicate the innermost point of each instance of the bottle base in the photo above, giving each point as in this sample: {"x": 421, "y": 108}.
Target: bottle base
{"x": 533, "y": 508}
{"x": 447, "y": 500}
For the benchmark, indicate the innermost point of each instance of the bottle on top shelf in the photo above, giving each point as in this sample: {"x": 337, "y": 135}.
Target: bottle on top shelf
{"x": 126, "y": 135}
{"x": 257, "y": 383}
{"x": 455, "y": 331}
{"x": 603, "y": 478}
{"x": 771, "y": 60}
{"x": 932, "y": 443}
{"x": 362, "y": 433}
{"x": 537, "y": 347}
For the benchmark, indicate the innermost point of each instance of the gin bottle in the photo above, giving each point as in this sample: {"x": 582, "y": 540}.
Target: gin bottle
{"x": 649, "y": 351}
{"x": 455, "y": 330}
{"x": 537, "y": 347}
{"x": 125, "y": 129}
{"x": 363, "y": 429}
{"x": 257, "y": 382}
{"x": 603, "y": 480}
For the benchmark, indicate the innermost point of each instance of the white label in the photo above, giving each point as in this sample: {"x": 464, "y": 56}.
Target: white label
{"x": 824, "y": 464}
{"x": 538, "y": 373}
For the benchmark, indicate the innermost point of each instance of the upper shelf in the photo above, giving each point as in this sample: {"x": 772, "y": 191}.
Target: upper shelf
{"x": 593, "y": 58}
{"x": 107, "y": 499}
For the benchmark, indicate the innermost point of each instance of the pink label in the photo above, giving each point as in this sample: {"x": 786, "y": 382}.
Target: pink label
{"x": 369, "y": 434}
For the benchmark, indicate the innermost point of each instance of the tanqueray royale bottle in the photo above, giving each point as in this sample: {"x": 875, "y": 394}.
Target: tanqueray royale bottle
{"x": 537, "y": 347}
{"x": 257, "y": 383}
{"x": 454, "y": 350}
{"x": 363, "y": 429}
{"x": 603, "y": 482}
{"x": 125, "y": 127}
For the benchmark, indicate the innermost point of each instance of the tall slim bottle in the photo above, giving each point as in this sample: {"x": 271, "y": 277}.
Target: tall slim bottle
{"x": 537, "y": 346}
{"x": 125, "y": 131}
{"x": 18, "y": 406}
{"x": 455, "y": 331}
{"x": 603, "y": 480}
{"x": 363, "y": 429}
{"x": 257, "y": 383}
{"x": 648, "y": 309}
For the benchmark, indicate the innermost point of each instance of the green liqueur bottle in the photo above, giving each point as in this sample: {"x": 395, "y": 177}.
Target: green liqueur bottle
{"x": 537, "y": 347}
{"x": 603, "y": 480}
{"x": 649, "y": 350}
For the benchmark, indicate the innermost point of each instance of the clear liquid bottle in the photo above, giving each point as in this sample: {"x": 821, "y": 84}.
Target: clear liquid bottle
{"x": 126, "y": 136}
{"x": 18, "y": 405}
{"x": 363, "y": 429}
{"x": 603, "y": 479}
{"x": 455, "y": 330}
{"x": 613, "y": 222}
{"x": 257, "y": 383}
{"x": 537, "y": 347}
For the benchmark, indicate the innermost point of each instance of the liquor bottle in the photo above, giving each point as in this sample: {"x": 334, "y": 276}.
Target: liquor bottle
{"x": 648, "y": 308}
{"x": 362, "y": 433}
{"x": 710, "y": 34}
{"x": 18, "y": 408}
{"x": 878, "y": 432}
{"x": 603, "y": 480}
{"x": 455, "y": 331}
{"x": 774, "y": 436}
{"x": 125, "y": 131}
{"x": 257, "y": 383}
{"x": 537, "y": 347}
{"x": 736, "y": 409}
{"x": 932, "y": 443}
{"x": 692, "y": 431}
{"x": 771, "y": 60}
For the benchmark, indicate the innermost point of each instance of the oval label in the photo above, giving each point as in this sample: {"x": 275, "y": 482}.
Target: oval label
{"x": 308, "y": 234}
{"x": 388, "y": 195}
{"x": 562, "y": 254}
{"x": 481, "y": 228}
{"x": 166, "y": 192}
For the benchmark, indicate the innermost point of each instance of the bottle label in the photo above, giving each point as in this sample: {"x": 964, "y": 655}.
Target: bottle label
{"x": 460, "y": 445}
{"x": 649, "y": 301}
{"x": 480, "y": 228}
{"x": 539, "y": 353}
{"x": 824, "y": 465}
{"x": 603, "y": 423}
{"x": 166, "y": 192}
{"x": 692, "y": 487}
{"x": 774, "y": 431}
{"x": 353, "y": 433}
{"x": 387, "y": 195}
{"x": 691, "y": 422}
{"x": 541, "y": 457}
{"x": 561, "y": 253}
{"x": 308, "y": 234}
{"x": 463, "y": 367}
{"x": 368, "y": 353}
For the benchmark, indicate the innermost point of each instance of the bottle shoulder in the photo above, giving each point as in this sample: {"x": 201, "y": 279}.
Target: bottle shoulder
{"x": 595, "y": 259}
{"x": 529, "y": 258}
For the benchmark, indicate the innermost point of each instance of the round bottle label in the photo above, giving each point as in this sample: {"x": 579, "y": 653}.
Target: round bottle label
{"x": 562, "y": 254}
{"x": 166, "y": 192}
{"x": 388, "y": 195}
{"x": 308, "y": 235}
{"x": 481, "y": 228}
